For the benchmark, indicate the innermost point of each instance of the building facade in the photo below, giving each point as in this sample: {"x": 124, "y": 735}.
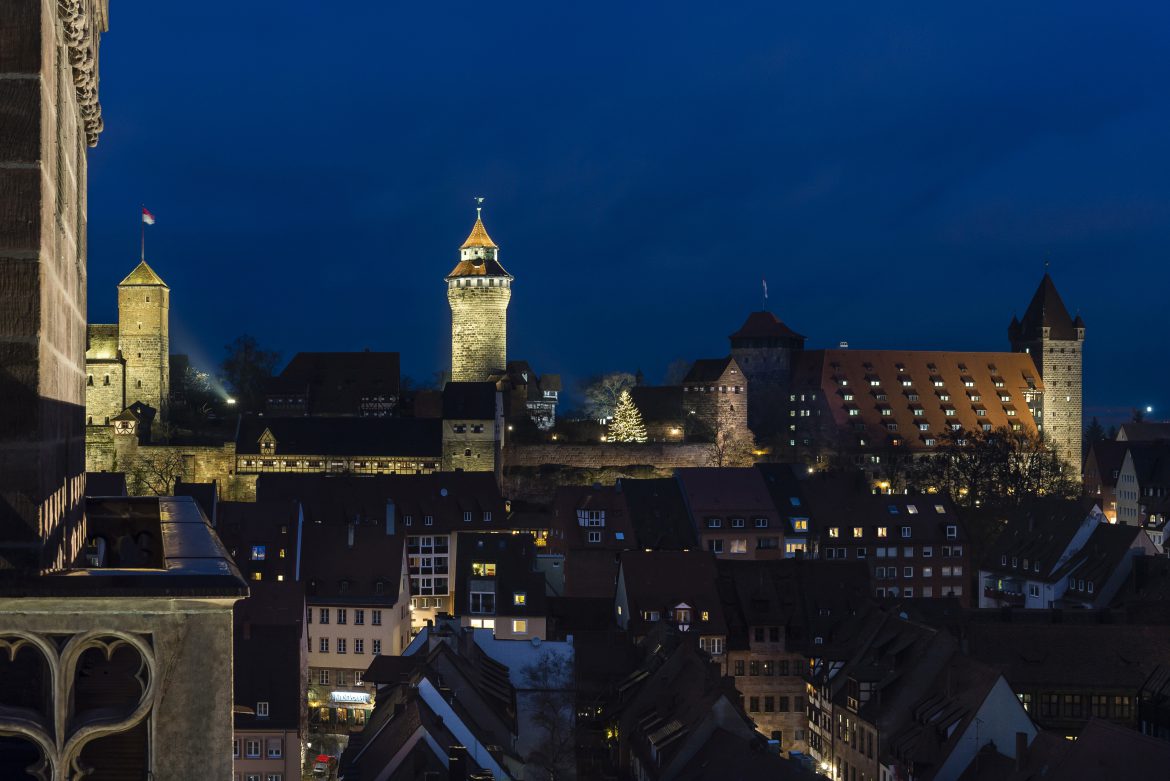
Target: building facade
{"x": 478, "y": 291}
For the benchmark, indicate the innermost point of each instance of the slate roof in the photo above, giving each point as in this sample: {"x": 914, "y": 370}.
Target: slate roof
{"x": 766, "y": 326}
{"x": 267, "y": 661}
{"x": 1101, "y": 556}
{"x": 788, "y": 495}
{"x": 337, "y": 382}
{"x": 728, "y": 757}
{"x": 271, "y": 525}
{"x": 660, "y": 580}
{"x": 469, "y": 401}
{"x": 1041, "y": 533}
{"x": 445, "y": 496}
{"x": 1094, "y": 656}
{"x": 659, "y": 514}
{"x": 710, "y": 369}
{"x": 1046, "y": 310}
{"x": 591, "y": 568}
{"x": 1106, "y": 457}
{"x": 1143, "y": 432}
{"x": 368, "y": 572}
{"x": 343, "y": 436}
{"x": 1108, "y": 752}
{"x": 725, "y": 491}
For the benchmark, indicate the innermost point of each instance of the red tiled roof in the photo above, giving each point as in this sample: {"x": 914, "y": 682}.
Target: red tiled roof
{"x": 1047, "y": 310}
{"x": 839, "y": 374}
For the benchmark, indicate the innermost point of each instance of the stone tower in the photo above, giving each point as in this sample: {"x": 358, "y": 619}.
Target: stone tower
{"x": 144, "y": 304}
{"x": 478, "y": 290}
{"x": 763, "y": 348}
{"x": 1055, "y": 341}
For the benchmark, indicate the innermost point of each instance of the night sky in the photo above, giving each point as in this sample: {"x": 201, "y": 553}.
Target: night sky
{"x": 898, "y": 172}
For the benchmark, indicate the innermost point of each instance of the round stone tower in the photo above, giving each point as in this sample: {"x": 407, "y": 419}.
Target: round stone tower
{"x": 478, "y": 291}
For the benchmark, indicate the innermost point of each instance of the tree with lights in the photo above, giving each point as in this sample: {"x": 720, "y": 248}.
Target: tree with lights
{"x": 627, "y": 425}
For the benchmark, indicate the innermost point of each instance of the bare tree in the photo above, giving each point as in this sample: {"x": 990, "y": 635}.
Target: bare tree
{"x": 730, "y": 446}
{"x": 154, "y": 472}
{"x": 548, "y": 682}
{"x": 602, "y": 393}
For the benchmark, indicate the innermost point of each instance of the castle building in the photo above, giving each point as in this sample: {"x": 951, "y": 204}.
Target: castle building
{"x": 110, "y": 607}
{"x": 478, "y": 290}
{"x": 873, "y": 405}
{"x": 130, "y": 361}
{"x": 1055, "y": 341}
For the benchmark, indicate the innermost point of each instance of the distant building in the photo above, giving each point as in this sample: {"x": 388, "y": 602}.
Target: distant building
{"x": 129, "y": 361}
{"x": 764, "y": 347}
{"x": 270, "y": 666}
{"x": 1143, "y": 487}
{"x": 528, "y": 395}
{"x": 590, "y": 528}
{"x": 360, "y": 384}
{"x": 1102, "y": 471}
{"x": 473, "y": 427}
{"x": 732, "y": 512}
{"x": 311, "y": 445}
{"x": 913, "y": 546}
{"x": 499, "y": 587}
{"x": 1060, "y": 554}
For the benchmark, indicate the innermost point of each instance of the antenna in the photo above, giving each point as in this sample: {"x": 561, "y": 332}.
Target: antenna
{"x": 478, "y": 206}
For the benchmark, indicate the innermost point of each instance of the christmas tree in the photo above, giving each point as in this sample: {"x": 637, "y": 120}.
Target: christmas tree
{"x": 627, "y": 425}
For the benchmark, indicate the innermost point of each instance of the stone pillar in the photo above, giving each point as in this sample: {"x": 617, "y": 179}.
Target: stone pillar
{"x": 49, "y": 110}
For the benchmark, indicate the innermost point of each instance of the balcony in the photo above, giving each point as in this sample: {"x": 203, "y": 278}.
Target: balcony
{"x": 1007, "y": 592}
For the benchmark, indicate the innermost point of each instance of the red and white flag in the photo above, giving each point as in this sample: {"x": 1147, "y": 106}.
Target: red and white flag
{"x": 147, "y": 217}
{"x": 765, "y": 281}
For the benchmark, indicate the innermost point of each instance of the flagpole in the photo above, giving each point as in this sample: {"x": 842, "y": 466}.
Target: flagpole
{"x": 142, "y": 224}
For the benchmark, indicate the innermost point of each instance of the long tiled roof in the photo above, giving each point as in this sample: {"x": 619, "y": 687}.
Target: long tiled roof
{"x": 478, "y": 237}
{"x": 338, "y": 382}
{"x": 343, "y": 436}
{"x": 906, "y": 388}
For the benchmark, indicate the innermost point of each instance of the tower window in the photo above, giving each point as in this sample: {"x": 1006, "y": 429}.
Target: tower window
{"x": 148, "y": 298}
{"x": 140, "y": 383}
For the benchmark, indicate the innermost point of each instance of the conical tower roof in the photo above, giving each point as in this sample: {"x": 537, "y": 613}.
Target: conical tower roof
{"x": 142, "y": 275}
{"x": 479, "y": 236}
{"x": 1047, "y": 310}
{"x": 479, "y": 255}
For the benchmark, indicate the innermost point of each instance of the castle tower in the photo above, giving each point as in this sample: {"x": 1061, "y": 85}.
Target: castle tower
{"x": 1055, "y": 341}
{"x": 763, "y": 348}
{"x": 144, "y": 304}
{"x": 478, "y": 290}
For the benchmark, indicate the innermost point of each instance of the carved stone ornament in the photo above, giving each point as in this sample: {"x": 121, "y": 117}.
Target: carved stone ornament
{"x": 60, "y": 732}
{"x": 81, "y": 38}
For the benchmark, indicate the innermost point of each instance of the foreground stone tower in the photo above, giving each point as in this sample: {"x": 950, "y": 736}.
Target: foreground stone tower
{"x": 478, "y": 290}
{"x": 144, "y": 305}
{"x": 1055, "y": 341}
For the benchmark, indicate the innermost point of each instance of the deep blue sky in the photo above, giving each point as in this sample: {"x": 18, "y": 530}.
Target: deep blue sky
{"x": 898, "y": 172}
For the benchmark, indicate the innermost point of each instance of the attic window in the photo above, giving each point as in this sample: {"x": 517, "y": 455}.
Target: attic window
{"x": 258, "y": 552}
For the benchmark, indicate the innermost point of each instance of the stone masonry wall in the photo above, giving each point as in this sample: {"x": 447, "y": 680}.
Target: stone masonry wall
{"x": 1060, "y": 368}
{"x": 663, "y": 456}
{"x": 144, "y": 336}
{"x": 104, "y": 391}
{"x": 43, "y": 137}
{"x": 479, "y": 329}
{"x": 191, "y": 725}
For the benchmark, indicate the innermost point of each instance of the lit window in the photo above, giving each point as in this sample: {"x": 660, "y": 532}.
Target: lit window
{"x": 883, "y": 531}
{"x": 519, "y": 598}
{"x": 520, "y": 626}
{"x": 834, "y": 532}
{"x": 858, "y": 531}
{"x": 257, "y": 553}
{"x": 800, "y": 524}
{"x": 483, "y": 569}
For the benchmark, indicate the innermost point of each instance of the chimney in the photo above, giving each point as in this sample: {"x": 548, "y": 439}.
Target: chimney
{"x": 456, "y": 763}
{"x": 1021, "y": 750}
{"x": 349, "y": 535}
{"x": 390, "y": 517}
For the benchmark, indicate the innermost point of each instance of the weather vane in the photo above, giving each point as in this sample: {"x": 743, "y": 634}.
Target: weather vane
{"x": 478, "y": 205}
